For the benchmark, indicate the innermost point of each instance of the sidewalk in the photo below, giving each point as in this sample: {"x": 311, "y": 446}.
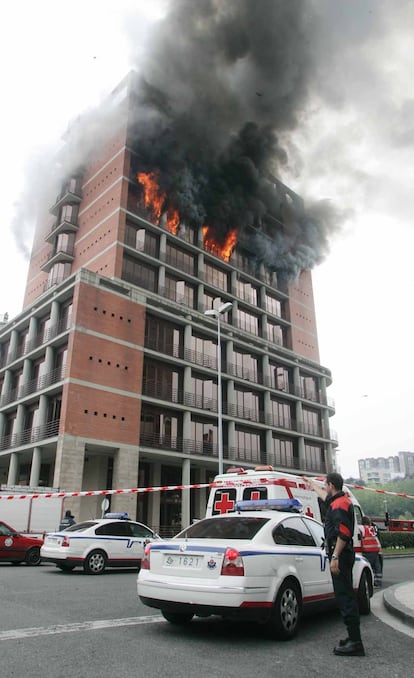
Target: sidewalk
{"x": 399, "y": 601}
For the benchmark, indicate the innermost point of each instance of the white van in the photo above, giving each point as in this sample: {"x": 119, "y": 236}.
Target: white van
{"x": 264, "y": 482}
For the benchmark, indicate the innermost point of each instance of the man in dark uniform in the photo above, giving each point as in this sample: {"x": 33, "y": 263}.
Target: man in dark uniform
{"x": 339, "y": 530}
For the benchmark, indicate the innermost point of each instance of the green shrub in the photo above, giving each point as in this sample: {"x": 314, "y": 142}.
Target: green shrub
{"x": 397, "y": 540}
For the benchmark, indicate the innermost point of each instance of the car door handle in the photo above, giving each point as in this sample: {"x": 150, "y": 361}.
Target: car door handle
{"x": 299, "y": 559}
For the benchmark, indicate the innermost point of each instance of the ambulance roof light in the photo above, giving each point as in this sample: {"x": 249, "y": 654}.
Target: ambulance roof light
{"x": 236, "y": 469}
{"x": 288, "y": 505}
{"x": 266, "y": 467}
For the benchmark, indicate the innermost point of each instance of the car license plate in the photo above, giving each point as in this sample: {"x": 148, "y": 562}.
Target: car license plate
{"x": 53, "y": 540}
{"x": 184, "y": 562}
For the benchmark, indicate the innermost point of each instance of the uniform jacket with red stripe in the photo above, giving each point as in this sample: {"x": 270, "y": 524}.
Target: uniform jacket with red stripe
{"x": 339, "y": 520}
{"x": 369, "y": 540}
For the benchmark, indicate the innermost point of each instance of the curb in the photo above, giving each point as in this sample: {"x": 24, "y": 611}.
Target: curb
{"x": 395, "y": 606}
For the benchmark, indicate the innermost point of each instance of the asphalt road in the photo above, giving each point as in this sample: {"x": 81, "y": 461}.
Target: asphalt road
{"x": 54, "y": 624}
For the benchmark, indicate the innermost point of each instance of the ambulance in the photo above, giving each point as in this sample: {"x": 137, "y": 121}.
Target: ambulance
{"x": 263, "y": 482}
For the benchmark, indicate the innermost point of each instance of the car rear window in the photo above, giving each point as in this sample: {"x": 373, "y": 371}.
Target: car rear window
{"x": 231, "y": 527}
{"x": 79, "y": 527}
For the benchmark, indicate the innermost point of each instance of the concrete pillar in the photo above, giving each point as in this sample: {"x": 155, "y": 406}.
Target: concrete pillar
{"x": 125, "y": 475}
{"x": 7, "y": 383}
{"x": 14, "y": 338}
{"x": 68, "y": 474}
{"x": 200, "y": 298}
{"x": 2, "y": 424}
{"x": 49, "y": 360}
{"x": 163, "y": 246}
{"x": 19, "y": 421}
{"x": 154, "y": 499}
{"x": 54, "y": 313}
{"x": 269, "y": 453}
{"x": 187, "y": 341}
{"x": 13, "y": 476}
{"x": 266, "y": 370}
{"x": 161, "y": 279}
{"x": 185, "y": 494}
{"x": 200, "y": 503}
{"x": 187, "y": 432}
{"x": 262, "y": 297}
{"x": 231, "y": 440}
{"x": 35, "y": 468}
{"x": 42, "y": 413}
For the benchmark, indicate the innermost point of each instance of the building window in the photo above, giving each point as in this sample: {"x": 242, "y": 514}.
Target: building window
{"x": 280, "y": 377}
{"x": 203, "y": 437}
{"x": 248, "y": 445}
{"x": 203, "y": 352}
{"x": 275, "y": 334}
{"x": 273, "y": 306}
{"x": 282, "y": 453}
{"x": 248, "y": 322}
{"x": 314, "y": 458}
{"x": 247, "y": 292}
{"x": 180, "y": 259}
{"x": 138, "y": 273}
{"x": 309, "y": 387}
{"x": 203, "y": 393}
{"x": 159, "y": 428}
{"x": 142, "y": 240}
{"x": 179, "y": 291}
{"x": 311, "y": 422}
{"x": 216, "y": 277}
{"x": 281, "y": 414}
{"x": 162, "y": 336}
{"x": 245, "y": 366}
{"x": 160, "y": 381}
{"x": 247, "y": 404}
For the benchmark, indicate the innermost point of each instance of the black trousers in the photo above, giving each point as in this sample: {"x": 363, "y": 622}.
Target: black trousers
{"x": 345, "y": 596}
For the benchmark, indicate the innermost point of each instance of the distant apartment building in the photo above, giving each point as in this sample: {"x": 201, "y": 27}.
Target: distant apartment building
{"x": 383, "y": 469}
{"x": 109, "y": 375}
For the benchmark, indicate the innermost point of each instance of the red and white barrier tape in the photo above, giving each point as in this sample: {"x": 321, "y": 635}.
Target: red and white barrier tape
{"x": 373, "y": 489}
{"x": 165, "y": 488}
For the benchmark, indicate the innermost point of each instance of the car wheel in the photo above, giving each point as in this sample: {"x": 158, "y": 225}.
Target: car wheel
{"x": 364, "y": 595}
{"x": 33, "y": 556}
{"x": 177, "y": 618}
{"x": 286, "y": 613}
{"x": 65, "y": 568}
{"x": 95, "y": 562}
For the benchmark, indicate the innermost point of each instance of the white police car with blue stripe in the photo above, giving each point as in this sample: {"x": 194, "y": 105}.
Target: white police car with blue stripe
{"x": 113, "y": 541}
{"x": 266, "y": 562}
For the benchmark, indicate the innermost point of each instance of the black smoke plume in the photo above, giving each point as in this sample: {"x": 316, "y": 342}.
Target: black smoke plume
{"x": 224, "y": 82}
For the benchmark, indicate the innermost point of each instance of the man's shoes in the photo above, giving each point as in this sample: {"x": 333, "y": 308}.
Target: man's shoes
{"x": 344, "y": 641}
{"x": 350, "y": 648}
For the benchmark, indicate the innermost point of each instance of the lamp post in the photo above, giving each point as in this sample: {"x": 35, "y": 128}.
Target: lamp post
{"x": 217, "y": 313}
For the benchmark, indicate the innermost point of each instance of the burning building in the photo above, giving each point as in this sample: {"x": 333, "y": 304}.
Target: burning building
{"x": 109, "y": 376}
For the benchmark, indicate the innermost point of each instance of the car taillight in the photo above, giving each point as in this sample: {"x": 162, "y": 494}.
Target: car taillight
{"x": 145, "y": 562}
{"x": 65, "y": 541}
{"x": 232, "y": 564}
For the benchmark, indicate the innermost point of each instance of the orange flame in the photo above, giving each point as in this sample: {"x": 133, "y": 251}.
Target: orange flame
{"x": 225, "y": 250}
{"x": 154, "y": 199}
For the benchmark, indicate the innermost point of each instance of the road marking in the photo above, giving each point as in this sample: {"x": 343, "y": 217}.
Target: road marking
{"x": 16, "y": 634}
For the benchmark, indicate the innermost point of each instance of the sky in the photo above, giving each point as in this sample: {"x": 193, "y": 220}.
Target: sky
{"x": 351, "y": 145}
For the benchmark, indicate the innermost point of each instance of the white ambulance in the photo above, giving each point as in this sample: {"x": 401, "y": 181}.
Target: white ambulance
{"x": 263, "y": 482}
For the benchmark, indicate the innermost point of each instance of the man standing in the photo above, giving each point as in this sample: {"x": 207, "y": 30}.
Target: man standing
{"x": 371, "y": 549}
{"x": 339, "y": 530}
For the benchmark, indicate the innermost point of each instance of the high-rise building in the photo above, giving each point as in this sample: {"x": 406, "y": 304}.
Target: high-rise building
{"x": 109, "y": 376}
{"x": 381, "y": 470}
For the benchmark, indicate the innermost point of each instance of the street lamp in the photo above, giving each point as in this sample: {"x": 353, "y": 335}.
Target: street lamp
{"x": 217, "y": 313}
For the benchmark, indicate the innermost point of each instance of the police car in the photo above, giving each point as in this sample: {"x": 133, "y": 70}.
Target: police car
{"x": 113, "y": 541}
{"x": 266, "y": 562}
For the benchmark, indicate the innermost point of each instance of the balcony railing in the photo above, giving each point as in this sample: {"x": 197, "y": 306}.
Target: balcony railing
{"x": 31, "y": 435}
{"x": 33, "y": 385}
{"x": 237, "y": 455}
